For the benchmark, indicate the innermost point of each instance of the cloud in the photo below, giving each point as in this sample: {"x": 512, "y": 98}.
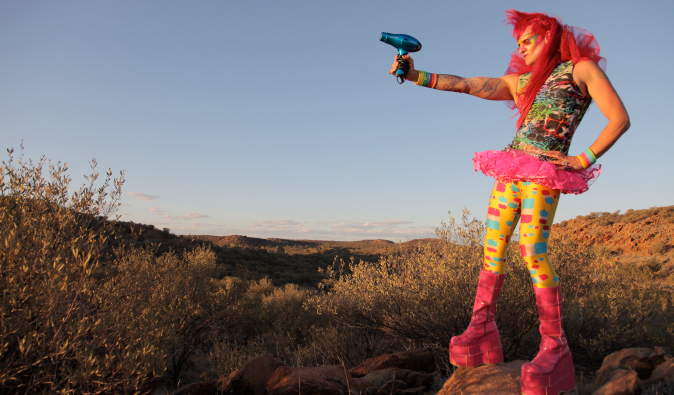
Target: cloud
{"x": 394, "y": 230}
{"x": 371, "y": 225}
{"x": 156, "y": 210}
{"x": 276, "y": 224}
{"x": 142, "y": 196}
{"x": 188, "y": 216}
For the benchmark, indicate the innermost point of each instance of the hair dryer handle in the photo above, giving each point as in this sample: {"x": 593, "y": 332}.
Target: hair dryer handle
{"x": 403, "y": 67}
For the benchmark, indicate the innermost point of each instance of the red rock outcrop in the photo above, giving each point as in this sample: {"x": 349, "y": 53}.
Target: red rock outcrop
{"x": 637, "y": 238}
{"x": 419, "y": 360}
{"x": 252, "y": 378}
{"x": 503, "y": 379}
{"x": 628, "y": 371}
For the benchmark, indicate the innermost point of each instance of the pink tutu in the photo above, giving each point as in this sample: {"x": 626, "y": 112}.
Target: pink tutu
{"x": 515, "y": 165}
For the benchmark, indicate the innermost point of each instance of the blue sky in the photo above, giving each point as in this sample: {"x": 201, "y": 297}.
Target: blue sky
{"x": 279, "y": 119}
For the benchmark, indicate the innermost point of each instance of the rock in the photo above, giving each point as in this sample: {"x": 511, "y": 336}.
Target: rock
{"x": 208, "y": 388}
{"x": 503, "y": 379}
{"x": 419, "y": 360}
{"x": 252, "y": 378}
{"x": 664, "y": 371}
{"x": 328, "y": 380}
{"x": 393, "y": 385}
{"x": 322, "y": 380}
{"x": 621, "y": 382}
{"x": 411, "y": 391}
{"x": 641, "y": 360}
{"x": 377, "y": 379}
{"x": 635, "y": 238}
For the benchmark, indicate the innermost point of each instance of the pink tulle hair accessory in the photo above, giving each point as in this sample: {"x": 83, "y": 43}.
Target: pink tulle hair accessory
{"x": 564, "y": 43}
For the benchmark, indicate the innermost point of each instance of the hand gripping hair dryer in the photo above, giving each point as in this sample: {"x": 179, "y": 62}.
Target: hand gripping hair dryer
{"x": 404, "y": 44}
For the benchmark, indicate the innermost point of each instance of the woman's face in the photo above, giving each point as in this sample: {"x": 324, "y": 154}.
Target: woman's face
{"x": 530, "y": 46}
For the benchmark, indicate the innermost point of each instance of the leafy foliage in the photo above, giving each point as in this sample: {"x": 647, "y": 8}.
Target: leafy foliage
{"x": 57, "y": 331}
{"x": 92, "y": 305}
{"x": 425, "y": 296}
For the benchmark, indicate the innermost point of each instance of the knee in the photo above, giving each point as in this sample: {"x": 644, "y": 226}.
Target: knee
{"x": 530, "y": 248}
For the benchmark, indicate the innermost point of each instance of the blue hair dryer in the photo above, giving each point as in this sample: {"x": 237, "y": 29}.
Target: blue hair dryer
{"x": 404, "y": 44}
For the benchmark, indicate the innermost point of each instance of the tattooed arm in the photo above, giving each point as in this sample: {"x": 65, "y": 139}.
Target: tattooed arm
{"x": 503, "y": 88}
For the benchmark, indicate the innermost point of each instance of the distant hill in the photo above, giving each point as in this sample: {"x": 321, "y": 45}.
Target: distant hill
{"x": 636, "y": 235}
{"x": 360, "y": 248}
{"x": 636, "y": 232}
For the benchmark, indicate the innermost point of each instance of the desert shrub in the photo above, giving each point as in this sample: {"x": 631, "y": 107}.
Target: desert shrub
{"x": 58, "y": 334}
{"x": 262, "y": 318}
{"x": 426, "y": 296}
{"x": 602, "y": 218}
{"x": 662, "y": 388}
{"x": 83, "y": 308}
{"x": 274, "y": 319}
{"x": 173, "y": 300}
{"x": 631, "y": 216}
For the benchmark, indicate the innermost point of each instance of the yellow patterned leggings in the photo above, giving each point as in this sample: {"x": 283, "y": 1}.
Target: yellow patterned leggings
{"x": 536, "y": 205}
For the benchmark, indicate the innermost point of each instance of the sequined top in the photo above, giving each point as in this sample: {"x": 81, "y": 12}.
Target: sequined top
{"x": 554, "y": 115}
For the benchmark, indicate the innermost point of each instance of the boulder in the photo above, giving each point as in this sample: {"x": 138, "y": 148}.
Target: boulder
{"x": 208, "y": 388}
{"x": 410, "y": 391}
{"x": 392, "y": 387}
{"x": 621, "y": 382}
{"x": 664, "y": 371}
{"x": 641, "y": 360}
{"x": 322, "y": 380}
{"x": 419, "y": 360}
{"x": 336, "y": 379}
{"x": 502, "y": 379}
{"x": 405, "y": 379}
{"x": 251, "y": 379}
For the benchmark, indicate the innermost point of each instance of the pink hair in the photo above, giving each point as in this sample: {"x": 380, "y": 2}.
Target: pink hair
{"x": 564, "y": 43}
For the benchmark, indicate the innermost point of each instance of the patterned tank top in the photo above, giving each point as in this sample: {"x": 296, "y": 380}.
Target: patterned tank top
{"x": 554, "y": 116}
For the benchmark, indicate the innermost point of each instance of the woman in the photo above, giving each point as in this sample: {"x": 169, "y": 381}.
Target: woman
{"x": 552, "y": 79}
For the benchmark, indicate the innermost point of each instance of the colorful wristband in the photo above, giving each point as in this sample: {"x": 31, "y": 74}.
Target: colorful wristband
{"x": 427, "y": 79}
{"x": 587, "y": 158}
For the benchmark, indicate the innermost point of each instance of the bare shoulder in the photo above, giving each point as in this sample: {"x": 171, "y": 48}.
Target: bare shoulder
{"x": 511, "y": 81}
{"x": 588, "y": 73}
{"x": 587, "y": 70}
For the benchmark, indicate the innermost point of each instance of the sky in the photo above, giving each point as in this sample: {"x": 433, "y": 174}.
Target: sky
{"x": 279, "y": 118}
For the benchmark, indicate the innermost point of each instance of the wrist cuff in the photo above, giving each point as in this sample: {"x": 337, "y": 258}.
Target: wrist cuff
{"x": 427, "y": 79}
{"x": 587, "y": 158}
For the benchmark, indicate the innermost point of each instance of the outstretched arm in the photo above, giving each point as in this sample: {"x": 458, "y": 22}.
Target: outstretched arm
{"x": 502, "y": 88}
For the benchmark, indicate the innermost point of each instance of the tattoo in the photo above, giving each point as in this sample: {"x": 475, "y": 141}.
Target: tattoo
{"x": 601, "y": 74}
{"x": 487, "y": 88}
{"x": 453, "y": 83}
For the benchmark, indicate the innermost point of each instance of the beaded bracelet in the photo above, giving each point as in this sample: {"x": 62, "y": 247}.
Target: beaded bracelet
{"x": 427, "y": 79}
{"x": 587, "y": 158}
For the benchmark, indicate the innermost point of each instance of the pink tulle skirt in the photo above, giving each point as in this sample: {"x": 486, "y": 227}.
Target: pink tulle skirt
{"x": 515, "y": 165}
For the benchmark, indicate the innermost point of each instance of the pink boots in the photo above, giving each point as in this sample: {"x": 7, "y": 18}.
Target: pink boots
{"x": 551, "y": 372}
{"x": 481, "y": 343}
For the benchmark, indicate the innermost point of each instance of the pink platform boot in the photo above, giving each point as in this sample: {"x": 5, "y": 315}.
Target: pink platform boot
{"x": 481, "y": 343}
{"x": 551, "y": 372}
